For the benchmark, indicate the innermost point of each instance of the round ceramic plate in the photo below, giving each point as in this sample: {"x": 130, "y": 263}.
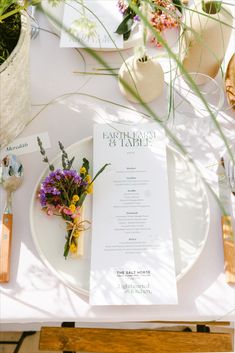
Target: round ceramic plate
{"x": 56, "y": 12}
{"x": 189, "y": 216}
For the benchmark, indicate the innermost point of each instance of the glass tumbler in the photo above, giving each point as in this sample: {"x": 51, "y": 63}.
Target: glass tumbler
{"x": 194, "y": 106}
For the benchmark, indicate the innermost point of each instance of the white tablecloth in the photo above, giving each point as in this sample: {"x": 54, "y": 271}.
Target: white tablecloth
{"x": 34, "y": 295}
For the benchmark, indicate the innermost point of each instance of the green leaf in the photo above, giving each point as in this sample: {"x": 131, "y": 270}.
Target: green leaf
{"x": 99, "y": 172}
{"x": 66, "y": 248}
{"x": 126, "y": 35}
{"x": 125, "y": 25}
{"x": 178, "y": 4}
{"x": 82, "y": 199}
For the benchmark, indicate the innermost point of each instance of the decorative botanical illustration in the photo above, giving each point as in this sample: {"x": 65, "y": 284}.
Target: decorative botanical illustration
{"x": 83, "y": 25}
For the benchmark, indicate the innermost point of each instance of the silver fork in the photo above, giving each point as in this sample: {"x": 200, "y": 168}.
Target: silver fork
{"x": 231, "y": 176}
{"x": 34, "y": 23}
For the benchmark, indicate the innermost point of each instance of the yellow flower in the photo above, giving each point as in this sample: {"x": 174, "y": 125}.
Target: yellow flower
{"x": 82, "y": 170}
{"x": 72, "y": 208}
{"x": 76, "y": 234}
{"x": 89, "y": 190}
{"x": 88, "y": 179}
{"x": 76, "y": 220}
{"x": 75, "y": 198}
{"x": 73, "y": 247}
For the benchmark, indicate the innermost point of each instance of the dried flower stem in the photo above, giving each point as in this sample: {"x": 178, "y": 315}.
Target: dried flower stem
{"x": 66, "y": 162}
{"x": 43, "y": 153}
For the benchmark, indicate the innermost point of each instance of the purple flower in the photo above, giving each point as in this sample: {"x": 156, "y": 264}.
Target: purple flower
{"x": 72, "y": 174}
{"x": 55, "y": 185}
{"x": 42, "y": 197}
{"x": 84, "y": 183}
{"x": 55, "y": 191}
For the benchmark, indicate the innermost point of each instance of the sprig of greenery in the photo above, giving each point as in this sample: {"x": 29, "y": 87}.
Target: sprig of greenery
{"x": 9, "y": 33}
{"x": 43, "y": 153}
{"x": 10, "y": 23}
{"x": 125, "y": 26}
{"x": 9, "y": 8}
{"x": 66, "y": 162}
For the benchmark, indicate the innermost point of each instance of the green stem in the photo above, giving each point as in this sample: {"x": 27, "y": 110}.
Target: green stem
{"x": 12, "y": 12}
{"x": 145, "y": 9}
{"x": 65, "y": 192}
{"x": 93, "y": 73}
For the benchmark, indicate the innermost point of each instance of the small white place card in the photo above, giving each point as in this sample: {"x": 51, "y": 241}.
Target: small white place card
{"x": 132, "y": 259}
{"x": 91, "y": 26}
{"x": 27, "y": 144}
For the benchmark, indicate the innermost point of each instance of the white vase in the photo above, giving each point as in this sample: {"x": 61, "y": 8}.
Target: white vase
{"x": 15, "y": 104}
{"x": 145, "y": 78}
{"x": 205, "y": 39}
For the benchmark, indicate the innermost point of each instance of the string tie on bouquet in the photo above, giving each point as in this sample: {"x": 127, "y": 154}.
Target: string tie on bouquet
{"x": 77, "y": 227}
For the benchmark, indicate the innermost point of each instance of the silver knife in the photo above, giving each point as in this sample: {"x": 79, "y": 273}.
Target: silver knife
{"x": 226, "y": 221}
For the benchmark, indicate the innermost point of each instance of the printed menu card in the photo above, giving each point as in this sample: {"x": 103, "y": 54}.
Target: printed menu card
{"x": 132, "y": 259}
{"x": 91, "y": 23}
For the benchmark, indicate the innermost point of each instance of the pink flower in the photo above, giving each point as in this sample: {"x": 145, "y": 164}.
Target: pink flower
{"x": 161, "y": 20}
{"x": 50, "y": 211}
{"x": 122, "y": 5}
{"x": 67, "y": 211}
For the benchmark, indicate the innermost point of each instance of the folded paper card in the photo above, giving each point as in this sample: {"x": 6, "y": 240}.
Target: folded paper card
{"x": 92, "y": 24}
{"x": 132, "y": 260}
{"x": 26, "y": 144}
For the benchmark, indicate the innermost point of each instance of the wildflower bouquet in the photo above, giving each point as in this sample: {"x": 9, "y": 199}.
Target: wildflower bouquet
{"x": 162, "y": 14}
{"x": 63, "y": 192}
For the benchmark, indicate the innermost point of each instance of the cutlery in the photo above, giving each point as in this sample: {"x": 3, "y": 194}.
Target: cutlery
{"x": 34, "y": 23}
{"x": 226, "y": 220}
{"x": 11, "y": 175}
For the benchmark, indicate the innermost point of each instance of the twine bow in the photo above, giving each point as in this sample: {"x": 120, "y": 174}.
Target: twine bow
{"x": 79, "y": 227}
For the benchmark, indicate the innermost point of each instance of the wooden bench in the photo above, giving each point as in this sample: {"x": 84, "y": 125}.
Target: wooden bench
{"x": 71, "y": 339}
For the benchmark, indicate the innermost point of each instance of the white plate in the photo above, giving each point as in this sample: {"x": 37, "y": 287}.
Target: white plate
{"x": 189, "y": 212}
{"x": 55, "y": 17}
